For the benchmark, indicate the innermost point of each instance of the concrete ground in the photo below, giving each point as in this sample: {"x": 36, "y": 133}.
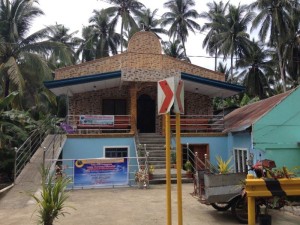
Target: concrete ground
{"x": 122, "y": 206}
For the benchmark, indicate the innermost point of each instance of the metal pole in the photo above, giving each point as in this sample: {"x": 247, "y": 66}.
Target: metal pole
{"x": 178, "y": 163}
{"x": 44, "y": 156}
{"x": 198, "y": 189}
{"x": 251, "y": 206}
{"x": 187, "y": 151}
{"x": 15, "y": 166}
{"x": 205, "y": 160}
{"x": 168, "y": 168}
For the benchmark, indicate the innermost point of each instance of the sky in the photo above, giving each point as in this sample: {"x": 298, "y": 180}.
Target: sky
{"x": 74, "y": 14}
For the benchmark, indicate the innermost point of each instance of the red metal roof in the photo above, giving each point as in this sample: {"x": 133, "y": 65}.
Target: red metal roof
{"x": 242, "y": 118}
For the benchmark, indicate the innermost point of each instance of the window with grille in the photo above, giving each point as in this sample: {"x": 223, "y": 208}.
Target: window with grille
{"x": 114, "y": 107}
{"x": 116, "y": 152}
{"x": 240, "y": 160}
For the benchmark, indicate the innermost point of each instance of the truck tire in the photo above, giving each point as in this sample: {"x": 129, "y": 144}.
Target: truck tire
{"x": 221, "y": 206}
{"x": 240, "y": 210}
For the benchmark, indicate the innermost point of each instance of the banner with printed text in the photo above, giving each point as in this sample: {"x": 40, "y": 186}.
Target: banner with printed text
{"x": 100, "y": 172}
{"x": 103, "y": 120}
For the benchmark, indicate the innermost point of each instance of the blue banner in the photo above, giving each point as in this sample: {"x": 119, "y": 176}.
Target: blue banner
{"x": 100, "y": 172}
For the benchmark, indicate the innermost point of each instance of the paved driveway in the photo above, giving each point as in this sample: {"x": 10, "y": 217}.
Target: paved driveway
{"x": 129, "y": 206}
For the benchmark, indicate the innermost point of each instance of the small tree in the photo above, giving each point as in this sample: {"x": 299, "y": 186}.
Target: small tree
{"x": 51, "y": 201}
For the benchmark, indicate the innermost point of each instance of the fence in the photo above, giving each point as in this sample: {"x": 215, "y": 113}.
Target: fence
{"x": 98, "y": 172}
{"x": 30, "y": 146}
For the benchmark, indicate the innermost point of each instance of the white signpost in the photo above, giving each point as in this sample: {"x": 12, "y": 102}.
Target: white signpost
{"x": 165, "y": 95}
{"x": 169, "y": 91}
{"x": 179, "y": 96}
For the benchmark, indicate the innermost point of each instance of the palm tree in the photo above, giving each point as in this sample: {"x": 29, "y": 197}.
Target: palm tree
{"x": 214, "y": 11}
{"x": 292, "y": 54}
{"x": 233, "y": 39}
{"x": 174, "y": 49}
{"x": 103, "y": 33}
{"x": 222, "y": 68}
{"x": 87, "y": 47}
{"x": 256, "y": 65}
{"x": 275, "y": 22}
{"x": 147, "y": 21}
{"x": 123, "y": 9}
{"x": 59, "y": 33}
{"x": 13, "y": 123}
{"x": 22, "y": 54}
{"x": 180, "y": 18}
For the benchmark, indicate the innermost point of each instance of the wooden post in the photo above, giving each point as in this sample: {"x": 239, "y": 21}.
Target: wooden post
{"x": 178, "y": 163}
{"x": 133, "y": 107}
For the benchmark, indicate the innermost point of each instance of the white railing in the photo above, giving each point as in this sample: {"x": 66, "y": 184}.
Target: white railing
{"x": 119, "y": 123}
{"x": 199, "y": 123}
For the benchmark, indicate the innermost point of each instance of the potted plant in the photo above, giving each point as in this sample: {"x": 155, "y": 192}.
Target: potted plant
{"x": 224, "y": 166}
{"x": 188, "y": 167}
{"x": 264, "y": 218}
{"x": 142, "y": 178}
{"x": 150, "y": 172}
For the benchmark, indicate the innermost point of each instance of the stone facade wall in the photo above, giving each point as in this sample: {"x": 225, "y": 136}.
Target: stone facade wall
{"x": 109, "y": 64}
{"x": 145, "y": 42}
{"x": 196, "y": 104}
{"x": 142, "y": 61}
{"x": 149, "y": 75}
{"x": 90, "y": 103}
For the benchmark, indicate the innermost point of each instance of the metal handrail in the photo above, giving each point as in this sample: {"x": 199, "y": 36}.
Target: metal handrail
{"x": 56, "y": 142}
{"x": 141, "y": 148}
{"x": 208, "y": 166}
{"x": 24, "y": 153}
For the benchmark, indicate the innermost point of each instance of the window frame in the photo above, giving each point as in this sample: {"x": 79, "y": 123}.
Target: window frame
{"x": 115, "y": 102}
{"x": 240, "y": 166}
{"x": 115, "y": 147}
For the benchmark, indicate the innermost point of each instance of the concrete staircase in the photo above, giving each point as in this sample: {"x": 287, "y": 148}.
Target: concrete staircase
{"x": 155, "y": 145}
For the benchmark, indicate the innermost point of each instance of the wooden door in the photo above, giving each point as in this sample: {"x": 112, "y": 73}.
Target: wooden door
{"x": 201, "y": 151}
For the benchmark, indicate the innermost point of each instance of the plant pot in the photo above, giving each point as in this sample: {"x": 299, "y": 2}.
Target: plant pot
{"x": 150, "y": 175}
{"x": 189, "y": 174}
{"x": 264, "y": 219}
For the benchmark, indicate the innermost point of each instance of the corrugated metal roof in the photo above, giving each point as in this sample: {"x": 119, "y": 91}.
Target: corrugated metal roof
{"x": 243, "y": 118}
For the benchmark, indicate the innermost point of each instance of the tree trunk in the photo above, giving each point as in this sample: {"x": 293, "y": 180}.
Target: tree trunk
{"x": 216, "y": 59}
{"x": 281, "y": 68}
{"x": 183, "y": 45}
{"x": 231, "y": 68}
{"x": 6, "y": 87}
{"x": 122, "y": 36}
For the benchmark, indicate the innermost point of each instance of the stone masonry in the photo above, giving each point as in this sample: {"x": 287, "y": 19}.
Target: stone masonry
{"x": 90, "y": 103}
{"x": 142, "y": 61}
{"x": 141, "y": 66}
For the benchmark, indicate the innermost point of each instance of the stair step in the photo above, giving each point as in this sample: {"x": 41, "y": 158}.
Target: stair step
{"x": 155, "y": 148}
{"x": 173, "y": 181}
{"x": 155, "y": 145}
